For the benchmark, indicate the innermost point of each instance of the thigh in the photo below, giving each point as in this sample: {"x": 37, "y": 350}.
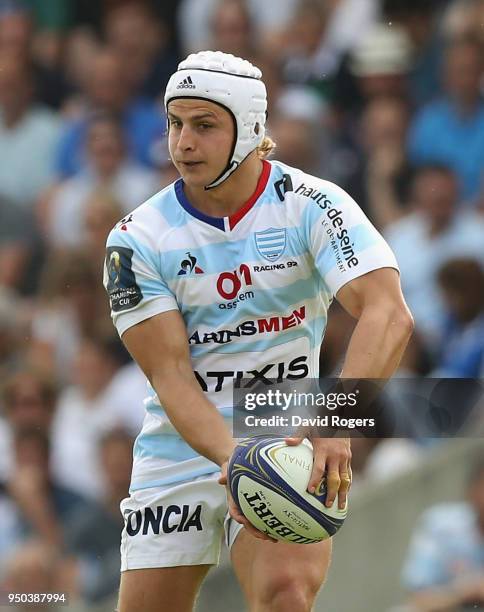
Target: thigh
{"x": 161, "y": 589}
{"x": 265, "y": 569}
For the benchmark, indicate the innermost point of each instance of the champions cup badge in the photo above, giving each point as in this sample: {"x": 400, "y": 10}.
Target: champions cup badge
{"x": 271, "y": 243}
{"x": 114, "y": 267}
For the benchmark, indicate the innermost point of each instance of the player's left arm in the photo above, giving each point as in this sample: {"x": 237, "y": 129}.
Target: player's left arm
{"x": 384, "y": 324}
{"x": 376, "y": 347}
{"x": 359, "y": 269}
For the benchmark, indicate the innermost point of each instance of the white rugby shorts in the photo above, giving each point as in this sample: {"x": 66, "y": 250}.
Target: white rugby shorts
{"x": 177, "y": 525}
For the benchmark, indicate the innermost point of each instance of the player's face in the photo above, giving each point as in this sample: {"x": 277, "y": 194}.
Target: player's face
{"x": 200, "y": 139}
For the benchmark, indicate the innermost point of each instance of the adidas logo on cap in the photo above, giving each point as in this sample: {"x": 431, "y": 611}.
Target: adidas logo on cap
{"x": 186, "y": 84}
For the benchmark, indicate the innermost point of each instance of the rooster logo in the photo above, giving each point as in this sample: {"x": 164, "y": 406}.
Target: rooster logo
{"x": 189, "y": 265}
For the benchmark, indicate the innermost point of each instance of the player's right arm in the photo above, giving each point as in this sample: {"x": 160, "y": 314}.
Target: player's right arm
{"x": 160, "y": 347}
{"x": 146, "y": 314}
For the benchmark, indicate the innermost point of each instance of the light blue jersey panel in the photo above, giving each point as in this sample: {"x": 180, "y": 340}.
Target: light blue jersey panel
{"x": 253, "y": 289}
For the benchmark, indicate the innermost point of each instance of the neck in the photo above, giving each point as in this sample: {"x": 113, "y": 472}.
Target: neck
{"x": 227, "y": 198}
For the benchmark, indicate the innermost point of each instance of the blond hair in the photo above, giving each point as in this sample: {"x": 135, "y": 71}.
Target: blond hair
{"x": 266, "y": 148}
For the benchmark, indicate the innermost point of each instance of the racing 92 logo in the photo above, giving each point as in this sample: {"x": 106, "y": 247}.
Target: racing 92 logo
{"x": 229, "y": 285}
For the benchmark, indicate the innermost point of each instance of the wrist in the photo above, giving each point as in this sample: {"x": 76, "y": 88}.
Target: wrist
{"x": 223, "y": 456}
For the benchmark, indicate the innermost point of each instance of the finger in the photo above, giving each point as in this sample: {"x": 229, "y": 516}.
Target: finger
{"x": 260, "y": 535}
{"x": 237, "y": 515}
{"x": 346, "y": 478}
{"x": 343, "y": 490}
{"x": 317, "y": 473}
{"x": 293, "y": 441}
{"x": 333, "y": 482}
{"x": 222, "y": 479}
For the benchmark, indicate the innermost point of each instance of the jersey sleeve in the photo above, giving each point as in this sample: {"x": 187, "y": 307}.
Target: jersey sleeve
{"x": 133, "y": 281}
{"x": 342, "y": 240}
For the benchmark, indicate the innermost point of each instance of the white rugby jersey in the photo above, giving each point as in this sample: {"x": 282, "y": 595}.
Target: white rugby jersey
{"x": 253, "y": 289}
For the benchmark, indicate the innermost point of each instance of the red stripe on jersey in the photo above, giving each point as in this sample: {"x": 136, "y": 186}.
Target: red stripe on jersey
{"x": 261, "y": 185}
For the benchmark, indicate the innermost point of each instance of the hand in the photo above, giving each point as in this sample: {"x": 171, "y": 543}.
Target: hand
{"x": 236, "y": 514}
{"x": 333, "y": 456}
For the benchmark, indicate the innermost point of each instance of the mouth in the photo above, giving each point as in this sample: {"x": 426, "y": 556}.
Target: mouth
{"x": 190, "y": 164}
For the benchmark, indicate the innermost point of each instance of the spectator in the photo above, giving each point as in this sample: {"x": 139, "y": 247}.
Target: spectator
{"x": 142, "y": 40}
{"x": 80, "y": 50}
{"x": 93, "y": 537}
{"x": 376, "y": 70}
{"x": 325, "y": 33}
{"x": 41, "y": 53}
{"x": 16, "y": 234}
{"x": 444, "y": 569}
{"x": 109, "y": 168}
{"x": 43, "y": 506}
{"x": 101, "y": 213}
{"x": 88, "y": 409}
{"x": 431, "y": 235}
{"x": 29, "y": 136}
{"x": 297, "y": 128}
{"x": 195, "y": 17}
{"x": 70, "y": 306}
{"x": 108, "y": 89}
{"x": 380, "y": 184}
{"x": 381, "y": 62}
{"x": 462, "y": 347}
{"x": 28, "y": 403}
{"x": 464, "y": 18}
{"x": 303, "y": 37}
{"x": 233, "y": 29}
{"x": 53, "y": 16}
{"x": 450, "y": 131}
{"x": 420, "y": 20}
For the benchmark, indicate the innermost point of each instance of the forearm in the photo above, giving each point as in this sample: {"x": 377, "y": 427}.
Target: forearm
{"x": 196, "y": 419}
{"x": 377, "y": 344}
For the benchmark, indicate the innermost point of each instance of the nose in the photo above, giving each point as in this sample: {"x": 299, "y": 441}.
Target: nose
{"x": 186, "y": 139}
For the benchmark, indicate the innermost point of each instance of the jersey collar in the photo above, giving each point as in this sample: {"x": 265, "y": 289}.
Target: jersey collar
{"x": 220, "y": 222}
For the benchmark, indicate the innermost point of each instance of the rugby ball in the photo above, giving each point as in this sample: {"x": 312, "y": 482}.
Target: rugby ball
{"x": 268, "y": 481}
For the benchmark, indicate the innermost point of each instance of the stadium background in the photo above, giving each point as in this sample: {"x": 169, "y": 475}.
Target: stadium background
{"x": 383, "y": 97}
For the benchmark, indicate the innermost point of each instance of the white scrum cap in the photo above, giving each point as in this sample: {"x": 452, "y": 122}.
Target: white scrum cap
{"x": 235, "y": 84}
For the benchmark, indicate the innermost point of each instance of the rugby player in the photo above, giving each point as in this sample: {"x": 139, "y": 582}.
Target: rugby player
{"x": 228, "y": 274}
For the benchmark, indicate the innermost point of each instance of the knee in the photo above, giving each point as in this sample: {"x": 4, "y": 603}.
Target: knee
{"x": 287, "y": 593}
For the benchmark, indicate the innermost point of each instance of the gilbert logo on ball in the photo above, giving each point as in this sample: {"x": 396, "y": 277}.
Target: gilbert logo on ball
{"x": 268, "y": 481}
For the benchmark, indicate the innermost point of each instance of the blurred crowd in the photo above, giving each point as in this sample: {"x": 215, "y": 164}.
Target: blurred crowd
{"x": 383, "y": 97}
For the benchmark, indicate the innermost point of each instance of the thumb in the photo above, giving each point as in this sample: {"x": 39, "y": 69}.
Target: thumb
{"x": 293, "y": 441}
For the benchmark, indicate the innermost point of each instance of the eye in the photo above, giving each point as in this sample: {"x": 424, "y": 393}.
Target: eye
{"x": 205, "y": 126}
{"x": 175, "y": 123}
